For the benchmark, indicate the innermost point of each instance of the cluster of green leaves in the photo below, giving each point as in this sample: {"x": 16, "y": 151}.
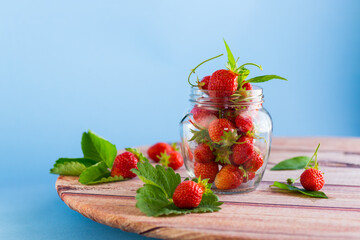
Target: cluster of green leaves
{"x": 297, "y": 163}
{"x": 94, "y": 167}
{"x": 155, "y": 197}
{"x": 243, "y": 72}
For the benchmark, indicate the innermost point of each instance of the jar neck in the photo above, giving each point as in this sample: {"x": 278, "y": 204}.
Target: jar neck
{"x": 246, "y": 99}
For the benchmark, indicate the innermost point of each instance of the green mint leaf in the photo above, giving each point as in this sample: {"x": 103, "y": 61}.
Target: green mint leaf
{"x": 94, "y": 173}
{"x": 231, "y": 60}
{"x": 97, "y": 148}
{"x": 165, "y": 179}
{"x": 107, "y": 180}
{"x": 71, "y": 166}
{"x": 292, "y": 163}
{"x": 152, "y": 201}
{"x": 155, "y": 197}
{"x": 314, "y": 194}
{"x": 264, "y": 78}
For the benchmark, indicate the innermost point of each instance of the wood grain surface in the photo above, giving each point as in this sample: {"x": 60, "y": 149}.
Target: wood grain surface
{"x": 262, "y": 214}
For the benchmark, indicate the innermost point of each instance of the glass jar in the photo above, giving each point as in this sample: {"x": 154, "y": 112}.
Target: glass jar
{"x": 227, "y": 139}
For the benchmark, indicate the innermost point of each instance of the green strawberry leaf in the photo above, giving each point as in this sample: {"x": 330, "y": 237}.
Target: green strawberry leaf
{"x": 292, "y": 163}
{"x": 314, "y": 194}
{"x": 231, "y": 60}
{"x": 107, "y": 180}
{"x": 94, "y": 173}
{"x": 97, "y": 148}
{"x": 166, "y": 179}
{"x": 155, "y": 197}
{"x": 71, "y": 166}
{"x": 264, "y": 78}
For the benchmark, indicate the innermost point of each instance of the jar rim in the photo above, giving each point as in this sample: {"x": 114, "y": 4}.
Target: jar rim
{"x": 252, "y": 97}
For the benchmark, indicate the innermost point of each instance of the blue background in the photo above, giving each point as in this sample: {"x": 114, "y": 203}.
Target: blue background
{"x": 120, "y": 69}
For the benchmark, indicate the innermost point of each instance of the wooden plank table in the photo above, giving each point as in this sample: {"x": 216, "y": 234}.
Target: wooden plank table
{"x": 262, "y": 214}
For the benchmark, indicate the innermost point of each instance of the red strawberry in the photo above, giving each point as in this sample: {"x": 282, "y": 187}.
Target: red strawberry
{"x": 204, "y": 83}
{"x": 218, "y": 127}
{"x": 203, "y": 116}
{"x": 250, "y": 176}
{"x": 203, "y": 153}
{"x": 247, "y": 86}
{"x": 223, "y": 83}
{"x": 253, "y": 164}
{"x": 312, "y": 179}
{"x": 243, "y": 150}
{"x": 155, "y": 151}
{"x": 188, "y": 194}
{"x": 229, "y": 177}
{"x": 172, "y": 159}
{"x": 244, "y": 123}
{"x": 206, "y": 170}
{"x": 123, "y": 163}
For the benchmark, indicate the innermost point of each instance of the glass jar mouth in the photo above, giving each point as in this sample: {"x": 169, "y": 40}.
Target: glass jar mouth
{"x": 252, "y": 97}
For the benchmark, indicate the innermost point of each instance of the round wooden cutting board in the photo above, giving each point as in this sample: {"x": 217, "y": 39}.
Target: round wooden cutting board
{"x": 266, "y": 213}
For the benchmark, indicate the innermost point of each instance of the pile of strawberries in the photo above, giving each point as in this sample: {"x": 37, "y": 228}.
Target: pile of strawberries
{"x": 163, "y": 153}
{"x": 225, "y": 141}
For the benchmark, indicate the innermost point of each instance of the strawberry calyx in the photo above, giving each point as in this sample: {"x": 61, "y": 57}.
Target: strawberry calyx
{"x": 200, "y": 136}
{"x": 164, "y": 159}
{"x": 223, "y": 155}
{"x": 228, "y": 138}
{"x": 204, "y": 184}
{"x": 138, "y": 154}
{"x": 175, "y": 147}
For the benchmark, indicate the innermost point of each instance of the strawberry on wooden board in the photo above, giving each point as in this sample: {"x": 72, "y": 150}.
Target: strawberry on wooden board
{"x": 218, "y": 127}
{"x": 155, "y": 150}
{"x": 123, "y": 163}
{"x": 188, "y": 194}
{"x": 206, "y": 170}
{"x": 172, "y": 159}
{"x": 203, "y": 153}
{"x": 229, "y": 177}
{"x": 312, "y": 178}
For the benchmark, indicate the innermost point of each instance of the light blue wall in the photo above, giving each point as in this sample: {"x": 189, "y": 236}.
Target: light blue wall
{"x": 120, "y": 69}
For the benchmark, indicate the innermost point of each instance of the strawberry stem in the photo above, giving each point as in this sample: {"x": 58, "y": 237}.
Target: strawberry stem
{"x": 259, "y": 66}
{"x": 309, "y": 164}
{"x": 193, "y": 70}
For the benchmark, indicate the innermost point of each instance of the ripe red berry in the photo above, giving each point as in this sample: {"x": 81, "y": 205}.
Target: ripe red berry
{"x": 218, "y": 127}
{"x": 229, "y": 177}
{"x": 244, "y": 123}
{"x": 247, "y": 86}
{"x": 155, "y": 150}
{"x": 223, "y": 83}
{"x": 254, "y": 163}
{"x": 203, "y": 116}
{"x": 123, "y": 163}
{"x": 203, "y": 153}
{"x": 204, "y": 83}
{"x": 172, "y": 159}
{"x": 188, "y": 194}
{"x": 312, "y": 179}
{"x": 243, "y": 150}
{"x": 206, "y": 170}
